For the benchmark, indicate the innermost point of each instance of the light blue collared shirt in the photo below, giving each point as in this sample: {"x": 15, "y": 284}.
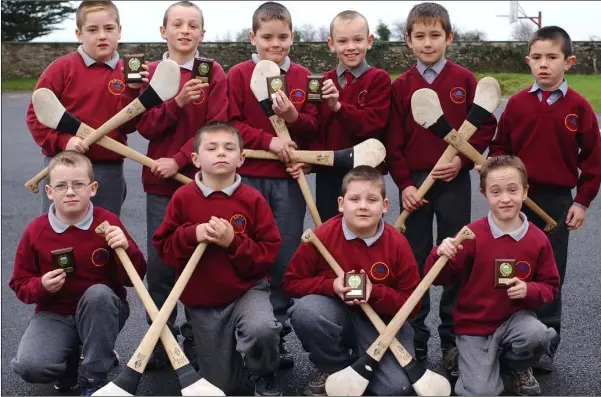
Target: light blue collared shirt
{"x": 89, "y": 61}
{"x": 429, "y": 73}
{"x": 349, "y": 235}
{"x": 59, "y": 226}
{"x": 357, "y": 71}
{"x": 207, "y": 191}
{"x": 555, "y": 95}
{"x": 188, "y": 65}
{"x": 285, "y": 65}
{"x": 517, "y": 234}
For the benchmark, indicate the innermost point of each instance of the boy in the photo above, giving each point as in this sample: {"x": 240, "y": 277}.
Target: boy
{"x": 555, "y": 132}
{"x": 79, "y": 293}
{"x": 93, "y": 72}
{"x": 412, "y": 152}
{"x": 272, "y": 37}
{"x": 326, "y": 324}
{"x": 227, "y": 299}
{"x": 489, "y": 318}
{"x": 170, "y": 129}
{"x": 357, "y": 102}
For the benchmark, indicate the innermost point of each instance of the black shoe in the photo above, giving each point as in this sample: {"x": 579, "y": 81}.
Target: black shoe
{"x": 421, "y": 354}
{"x": 70, "y": 379}
{"x": 91, "y": 386}
{"x": 158, "y": 359}
{"x": 523, "y": 383}
{"x": 286, "y": 359}
{"x": 545, "y": 364}
{"x": 450, "y": 361}
{"x": 266, "y": 386}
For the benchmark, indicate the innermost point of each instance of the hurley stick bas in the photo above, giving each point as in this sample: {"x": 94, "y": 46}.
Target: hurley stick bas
{"x": 486, "y": 100}
{"x": 131, "y": 375}
{"x": 191, "y": 383}
{"x": 424, "y": 381}
{"x": 258, "y": 85}
{"x": 369, "y": 152}
{"x": 51, "y": 113}
{"x": 163, "y": 86}
{"x": 354, "y": 379}
{"x": 429, "y": 114}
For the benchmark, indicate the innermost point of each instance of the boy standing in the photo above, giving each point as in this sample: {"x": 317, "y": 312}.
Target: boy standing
{"x": 170, "y": 130}
{"x": 506, "y": 273}
{"x": 412, "y": 153}
{"x": 555, "y": 132}
{"x": 272, "y": 36}
{"x": 65, "y": 268}
{"x": 357, "y": 98}
{"x": 93, "y": 72}
{"x": 360, "y": 240}
{"x": 227, "y": 298}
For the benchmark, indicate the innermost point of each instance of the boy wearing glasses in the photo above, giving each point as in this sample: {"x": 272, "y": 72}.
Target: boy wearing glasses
{"x": 69, "y": 272}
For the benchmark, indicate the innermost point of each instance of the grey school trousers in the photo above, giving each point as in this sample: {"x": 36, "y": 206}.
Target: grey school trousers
{"x": 451, "y": 203}
{"x": 49, "y": 347}
{"x": 328, "y": 329}
{"x": 288, "y": 208}
{"x": 518, "y": 343}
{"x": 244, "y": 327}
{"x": 111, "y": 187}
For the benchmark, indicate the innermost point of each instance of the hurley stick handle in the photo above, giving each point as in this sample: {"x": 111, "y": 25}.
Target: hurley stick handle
{"x": 397, "y": 349}
{"x": 176, "y": 356}
{"x": 379, "y": 347}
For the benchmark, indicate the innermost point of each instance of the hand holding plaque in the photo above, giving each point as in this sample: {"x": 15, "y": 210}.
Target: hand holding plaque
{"x": 358, "y": 284}
{"x": 504, "y": 272}
{"x": 132, "y": 66}
{"x": 275, "y": 84}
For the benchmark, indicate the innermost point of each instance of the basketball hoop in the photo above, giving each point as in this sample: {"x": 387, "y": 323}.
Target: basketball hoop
{"x": 513, "y": 11}
{"x": 514, "y": 14}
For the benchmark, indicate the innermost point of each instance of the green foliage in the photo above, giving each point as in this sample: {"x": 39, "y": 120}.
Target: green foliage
{"x": 383, "y": 31}
{"x": 26, "y": 20}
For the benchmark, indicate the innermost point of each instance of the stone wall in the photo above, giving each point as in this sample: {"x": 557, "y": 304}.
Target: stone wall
{"x": 30, "y": 59}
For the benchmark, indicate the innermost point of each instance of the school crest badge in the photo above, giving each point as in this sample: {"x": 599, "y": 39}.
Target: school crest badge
{"x": 116, "y": 87}
{"x": 238, "y": 222}
{"x": 522, "y": 270}
{"x": 297, "y": 96}
{"x": 457, "y": 95}
{"x": 100, "y": 257}
{"x": 362, "y": 98}
{"x": 200, "y": 99}
{"x": 571, "y": 122}
{"x": 379, "y": 271}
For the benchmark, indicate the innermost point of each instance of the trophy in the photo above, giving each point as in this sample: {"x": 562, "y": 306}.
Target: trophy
{"x": 358, "y": 283}
{"x": 276, "y": 83}
{"x": 202, "y": 69}
{"x": 132, "y": 66}
{"x": 504, "y": 272}
{"x": 314, "y": 85}
{"x": 64, "y": 259}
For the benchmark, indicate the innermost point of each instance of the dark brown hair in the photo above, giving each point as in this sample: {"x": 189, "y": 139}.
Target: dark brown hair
{"x": 555, "y": 34}
{"x": 71, "y": 158}
{"x": 494, "y": 163}
{"x": 215, "y": 126}
{"x": 270, "y": 11}
{"x": 347, "y": 15}
{"x": 364, "y": 173}
{"x": 428, "y": 12}
{"x": 184, "y": 4}
{"x": 90, "y": 6}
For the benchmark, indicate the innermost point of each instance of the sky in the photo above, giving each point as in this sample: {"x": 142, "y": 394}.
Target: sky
{"x": 141, "y": 20}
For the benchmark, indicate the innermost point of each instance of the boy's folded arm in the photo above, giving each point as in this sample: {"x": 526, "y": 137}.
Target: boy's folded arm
{"x": 369, "y": 120}
{"x": 501, "y": 143}
{"x": 545, "y": 281}
{"x": 48, "y": 139}
{"x": 307, "y": 124}
{"x": 395, "y": 145}
{"x": 160, "y": 119}
{"x": 589, "y": 158}
{"x": 217, "y": 106}
{"x": 26, "y": 279}
{"x": 300, "y": 277}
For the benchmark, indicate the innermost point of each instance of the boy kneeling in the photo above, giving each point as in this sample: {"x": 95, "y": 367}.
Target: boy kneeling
{"x": 68, "y": 270}
{"x": 327, "y": 325}
{"x": 506, "y": 273}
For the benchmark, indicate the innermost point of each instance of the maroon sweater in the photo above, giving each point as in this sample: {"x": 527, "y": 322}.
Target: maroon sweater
{"x": 247, "y": 115}
{"x": 363, "y": 115}
{"x": 389, "y": 264}
{"x": 553, "y": 142}
{"x": 481, "y": 308}
{"x": 95, "y": 263}
{"x": 91, "y": 94}
{"x": 170, "y": 129}
{"x": 222, "y": 275}
{"x": 409, "y": 146}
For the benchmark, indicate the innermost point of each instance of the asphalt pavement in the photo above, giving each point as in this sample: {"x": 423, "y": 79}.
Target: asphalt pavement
{"x": 577, "y": 364}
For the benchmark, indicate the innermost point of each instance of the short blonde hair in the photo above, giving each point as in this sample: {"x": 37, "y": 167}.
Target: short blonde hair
{"x": 184, "y": 3}
{"x": 71, "y": 158}
{"x": 347, "y": 16}
{"x": 364, "y": 173}
{"x": 91, "y": 6}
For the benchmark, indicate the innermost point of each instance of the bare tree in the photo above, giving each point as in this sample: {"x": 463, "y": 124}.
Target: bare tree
{"x": 305, "y": 33}
{"x": 398, "y": 29}
{"x": 242, "y": 35}
{"x": 594, "y": 37}
{"x": 323, "y": 33}
{"x": 468, "y": 35}
{"x": 522, "y": 31}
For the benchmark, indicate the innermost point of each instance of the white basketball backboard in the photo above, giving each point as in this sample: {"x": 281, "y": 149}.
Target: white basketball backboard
{"x": 513, "y": 11}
